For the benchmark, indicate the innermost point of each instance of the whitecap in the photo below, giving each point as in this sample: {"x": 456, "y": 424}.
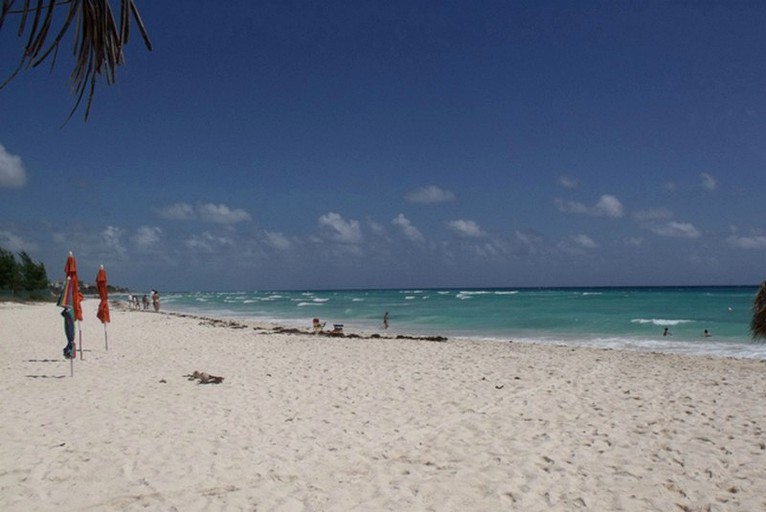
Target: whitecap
{"x": 660, "y": 321}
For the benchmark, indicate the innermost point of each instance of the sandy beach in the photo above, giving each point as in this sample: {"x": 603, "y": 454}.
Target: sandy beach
{"x": 313, "y": 423}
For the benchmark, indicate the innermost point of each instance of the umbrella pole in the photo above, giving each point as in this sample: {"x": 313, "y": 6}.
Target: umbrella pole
{"x": 106, "y": 343}
{"x": 79, "y": 330}
{"x": 71, "y": 366}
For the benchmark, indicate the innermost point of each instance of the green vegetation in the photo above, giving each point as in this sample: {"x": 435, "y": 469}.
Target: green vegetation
{"x": 23, "y": 279}
{"x": 758, "y": 323}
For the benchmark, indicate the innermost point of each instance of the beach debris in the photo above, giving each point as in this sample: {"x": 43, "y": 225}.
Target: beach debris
{"x": 214, "y": 322}
{"x": 204, "y": 378}
{"x": 423, "y": 338}
{"x": 336, "y": 332}
{"x": 288, "y": 330}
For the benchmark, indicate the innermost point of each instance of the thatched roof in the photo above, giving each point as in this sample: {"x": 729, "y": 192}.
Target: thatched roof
{"x": 98, "y": 44}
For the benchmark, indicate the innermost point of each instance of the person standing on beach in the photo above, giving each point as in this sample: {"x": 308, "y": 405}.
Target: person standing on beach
{"x": 156, "y": 300}
{"x": 385, "y": 320}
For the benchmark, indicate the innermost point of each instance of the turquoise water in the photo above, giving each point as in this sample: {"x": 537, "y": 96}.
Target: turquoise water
{"x": 622, "y": 318}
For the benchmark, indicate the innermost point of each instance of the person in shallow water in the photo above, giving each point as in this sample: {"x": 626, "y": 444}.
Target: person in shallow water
{"x": 667, "y": 332}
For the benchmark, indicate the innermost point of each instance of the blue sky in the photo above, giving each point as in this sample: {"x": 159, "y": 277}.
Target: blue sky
{"x": 299, "y": 145}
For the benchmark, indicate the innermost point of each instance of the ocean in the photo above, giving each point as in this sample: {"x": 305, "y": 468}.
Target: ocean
{"x": 617, "y": 318}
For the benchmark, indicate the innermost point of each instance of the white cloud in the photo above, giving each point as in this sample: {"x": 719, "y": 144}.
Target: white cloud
{"x": 571, "y": 206}
{"x": 111, "y": 238}
{"x": 411, "y": 232}
{"x": 222, "y": 214}
{"x": 674, "y": 229}
{"x": 12, "y": 173}
{"x": 146, "y": 236}
{"x": 430, "y": 194}
{"x": 653, "y": 215}
{"x": 14, "y": 243}
{"x": 659, "y": 222}
{"x": 342, "y": 230}
{"x": 208, "y": 212}
{"x": 577, "y": 244}
{"x": 747, "y": 242}
{"x": 491, "y": 249}
{"x": 277, "y": 241}
{"x": 584, "y": 241}
{"x": 633, "y": 241}
{"x": 177, "y": 211}
{"x": 607, "y": 206}
{"x": 530, "y": 242}
{"x": 708, "y": 181}
{"x": 488, "y": 249}
{"x": 376, "y": 228}
{"x": 465, "y": 228}
{"x": 567, "y": 182}
{"x": 208, "y": 242}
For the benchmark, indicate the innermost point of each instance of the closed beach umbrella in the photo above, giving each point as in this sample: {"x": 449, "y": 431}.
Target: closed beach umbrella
{"x": 70, "y": 349}
{"x": 70, "y": 269}
{"x": 103, "y": 306}
{"x": 65, "y": 301}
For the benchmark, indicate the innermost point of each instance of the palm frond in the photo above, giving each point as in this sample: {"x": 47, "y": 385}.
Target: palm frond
{"x": 758, "y": 323}
{"x": 98, "y": 43}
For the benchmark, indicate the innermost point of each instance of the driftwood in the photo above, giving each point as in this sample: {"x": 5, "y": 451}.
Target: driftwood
{"x": 204, "y": 378}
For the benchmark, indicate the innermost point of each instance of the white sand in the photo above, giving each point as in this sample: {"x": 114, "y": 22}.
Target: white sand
{"x": 317, "y": 424}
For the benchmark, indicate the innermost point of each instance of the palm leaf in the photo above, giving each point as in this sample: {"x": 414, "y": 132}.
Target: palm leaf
{"x": 758, "y": 323}
{"x": 98, "y": 43}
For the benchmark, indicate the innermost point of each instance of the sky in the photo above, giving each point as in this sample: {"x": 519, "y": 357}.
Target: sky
{"x": 400, "y": 144}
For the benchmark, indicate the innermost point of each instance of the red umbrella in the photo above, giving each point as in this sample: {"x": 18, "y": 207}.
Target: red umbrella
{"x": 71, "y": 271}
{"x": 103, "y": 306}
